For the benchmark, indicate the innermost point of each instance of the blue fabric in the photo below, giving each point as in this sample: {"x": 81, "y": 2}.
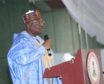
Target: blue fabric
{"x": 25, "y": 60}
{"x": 57, "y": 81}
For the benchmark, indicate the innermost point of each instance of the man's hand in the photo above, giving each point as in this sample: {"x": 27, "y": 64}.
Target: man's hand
{"x": 47, "y": 44}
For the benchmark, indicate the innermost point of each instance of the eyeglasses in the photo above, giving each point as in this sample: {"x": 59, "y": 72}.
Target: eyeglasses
{"x": 40, "y": 21}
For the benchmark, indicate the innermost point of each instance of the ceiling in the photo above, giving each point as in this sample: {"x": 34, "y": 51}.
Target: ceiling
{"x": 47, "y": 5}
{"x": 54, "y": 4}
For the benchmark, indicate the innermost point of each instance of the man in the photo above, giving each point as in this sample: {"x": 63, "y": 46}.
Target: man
{"x": 25, "y": 55}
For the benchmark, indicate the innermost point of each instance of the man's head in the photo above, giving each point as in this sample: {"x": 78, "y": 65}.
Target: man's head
{"x": 34, "y": 22}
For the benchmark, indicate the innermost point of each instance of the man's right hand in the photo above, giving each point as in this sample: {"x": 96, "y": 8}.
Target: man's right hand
{"x": 47, "y": 44}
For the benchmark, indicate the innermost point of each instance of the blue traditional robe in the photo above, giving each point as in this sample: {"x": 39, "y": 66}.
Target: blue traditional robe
{"x": 25, "y": 60}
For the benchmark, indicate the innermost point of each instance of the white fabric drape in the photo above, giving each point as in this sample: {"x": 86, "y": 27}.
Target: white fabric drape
{"x": 89, "y": 14}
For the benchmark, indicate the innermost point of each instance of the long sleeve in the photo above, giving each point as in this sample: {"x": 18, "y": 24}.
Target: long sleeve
{"x": 25, "y": 60}
{"x": 24, "y": 52}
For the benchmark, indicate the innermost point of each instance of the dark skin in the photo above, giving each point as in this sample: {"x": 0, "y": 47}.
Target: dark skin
{"x": 36, "y": 27}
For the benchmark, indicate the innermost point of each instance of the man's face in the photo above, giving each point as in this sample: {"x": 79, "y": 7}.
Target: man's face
{"x": 36, "y": 27}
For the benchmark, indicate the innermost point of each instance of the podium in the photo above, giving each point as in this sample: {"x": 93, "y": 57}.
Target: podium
{"x": 86, "y": 69}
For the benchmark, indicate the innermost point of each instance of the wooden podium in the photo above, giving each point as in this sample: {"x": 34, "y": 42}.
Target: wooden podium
{"x": 86, "y": 69}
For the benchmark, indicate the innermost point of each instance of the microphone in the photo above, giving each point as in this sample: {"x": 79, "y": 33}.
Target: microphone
{"x": 49, "y": 50}
{"x": 46, "y": 37}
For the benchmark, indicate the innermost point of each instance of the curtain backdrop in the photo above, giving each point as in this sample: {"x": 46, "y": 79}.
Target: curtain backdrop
{"x": 89, "y": 14}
